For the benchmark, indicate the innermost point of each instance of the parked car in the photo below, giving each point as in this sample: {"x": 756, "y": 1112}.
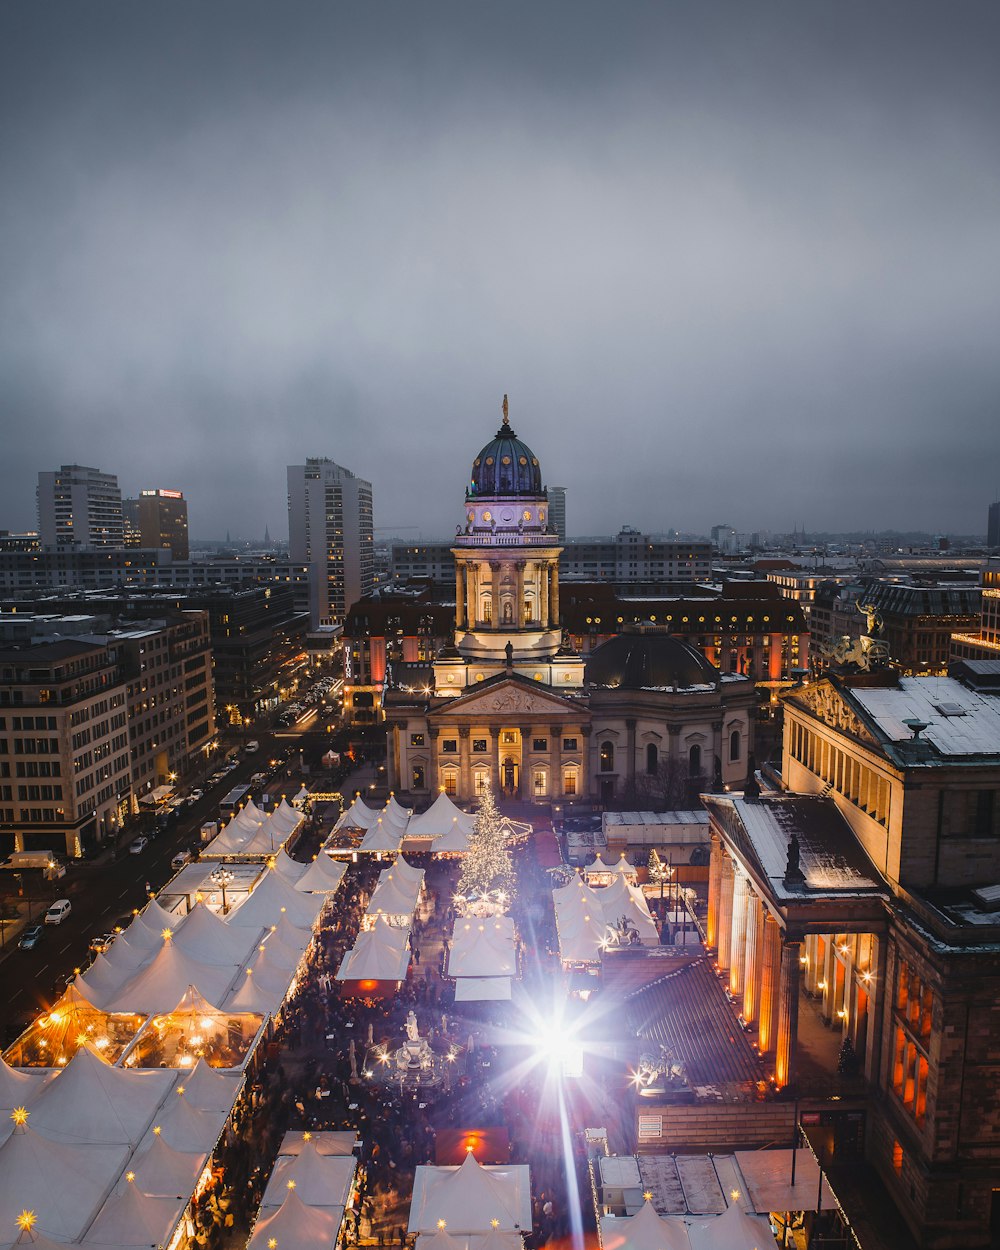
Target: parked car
{"x": 58, "y": 912}
{"x": 138, "y": 845}
{"x": 101, "y": 943}
{"x": 31, "y": 937}
{"x": 195, "y": 795}
{"x": 252, "y": 746}
{"x": 180, "y": 859}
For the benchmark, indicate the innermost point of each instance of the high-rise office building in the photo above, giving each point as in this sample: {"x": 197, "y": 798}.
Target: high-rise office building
{"x": 163, "y": 521}
{"x": 330, "y": 527}
{"x": 79, "y": 507}
{"x": 557, "y": 510}
{"x": 993, "y": 526}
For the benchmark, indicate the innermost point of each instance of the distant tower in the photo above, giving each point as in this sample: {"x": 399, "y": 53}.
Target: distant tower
{"x": 163, "y": 521}
{"x": 79, "y": 507}
{"x": 557, "y": 511}
{"x": 331, "y": 528}
{"x": 993, "y": 526}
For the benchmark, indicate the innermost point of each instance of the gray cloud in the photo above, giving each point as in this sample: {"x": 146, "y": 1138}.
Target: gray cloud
{"x": 733, "y": 263}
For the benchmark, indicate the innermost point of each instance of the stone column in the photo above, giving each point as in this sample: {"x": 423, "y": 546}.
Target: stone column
{"x": 473, "y": 610}
{"x": 464, "y": 763}
{"x": 495, "y": 590}
{"x": 495, "y": 759}
{"x": 716, "y": 753}
{"x": 714, "y": 887}
{"x": 725, "y": 913}
{"x": 751, "y": 963}
{"x": 519, "y": 618}
{"x": 555, "y": 771}
{"x": 542, "y": 573}
{"x": 737, "y": 945}
{"x": 526, "y": 789}
{"x": 788, "y": 1014}
{"x": 461, "y": 593}
{"x": 392, "y": 759}
{"x": 585, "y": 732}
{"x": 771, "y": 958}
{"x": 555, "y": 594}
{"x": 432, "y": 781}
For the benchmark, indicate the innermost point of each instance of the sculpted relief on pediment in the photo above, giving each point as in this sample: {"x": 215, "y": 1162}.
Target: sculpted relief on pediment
{"x": 829, "y": 706}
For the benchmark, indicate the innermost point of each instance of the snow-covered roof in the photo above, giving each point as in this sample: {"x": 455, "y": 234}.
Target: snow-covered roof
{"x": 960, "y": 722}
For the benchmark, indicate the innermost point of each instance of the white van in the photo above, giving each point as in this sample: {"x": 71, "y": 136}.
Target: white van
{"x": 58, "y": 912}
{"x": 251, "y": 747}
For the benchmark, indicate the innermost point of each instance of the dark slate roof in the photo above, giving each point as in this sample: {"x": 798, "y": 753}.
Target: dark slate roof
{"x": 644, "y": 661}
{"x": 506, "y": 466}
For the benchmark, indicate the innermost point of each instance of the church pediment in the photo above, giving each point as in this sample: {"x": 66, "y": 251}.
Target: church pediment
{"x": 509, "y": 697}
{"x": 828, "y": 705}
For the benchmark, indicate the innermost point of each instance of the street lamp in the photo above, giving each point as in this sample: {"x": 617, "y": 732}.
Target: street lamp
{"x": 222, "y": 877}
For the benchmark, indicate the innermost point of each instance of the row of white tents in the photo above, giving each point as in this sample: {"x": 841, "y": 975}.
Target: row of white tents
{"x": 307, "y": 1193}
{"x": 381, "y": 951}
{"x": 734, "y": 1229}
{"x": 443, "y": 829}
{"x": 253, "y": 833}
{"x": 109, "y": 1155}
{"x": 589, "y": 920}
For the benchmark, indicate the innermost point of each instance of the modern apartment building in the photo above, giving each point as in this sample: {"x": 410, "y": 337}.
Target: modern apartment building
{"x": 163, "y": 521}
{"x": 330, "y": 528}
{"x": 79, "y": 507}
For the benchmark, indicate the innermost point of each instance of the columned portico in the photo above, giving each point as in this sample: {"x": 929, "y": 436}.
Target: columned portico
{"x": 725, "y": 913}
{"x": 767, "y": 1029}
{"x": 738, "y": 930}
{"x": 714, "y": 890}
{"x": 788, "y": 1013}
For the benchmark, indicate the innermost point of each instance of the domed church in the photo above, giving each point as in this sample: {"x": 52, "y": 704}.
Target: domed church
{"x": 512, "y": 705}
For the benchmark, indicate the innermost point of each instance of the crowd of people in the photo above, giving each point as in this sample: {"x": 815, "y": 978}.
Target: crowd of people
{"x": 313, "y": 1072}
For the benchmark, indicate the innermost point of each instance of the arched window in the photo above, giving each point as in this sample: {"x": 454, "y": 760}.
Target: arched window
{"x": 607, "y": 757}
{"x": 652, "y": 759}
{"x": 418, "y": 777}
{"x": 734, "y": 745}
{"x": 694, "y": 761}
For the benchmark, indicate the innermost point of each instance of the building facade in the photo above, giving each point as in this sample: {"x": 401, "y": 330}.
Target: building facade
{"x": 163, "y": 521}
{"x": 330, "y": 528}
{"x": 79, "y": 507}
{"x": 65, "y": 771}
{"x": 508, "y": 702}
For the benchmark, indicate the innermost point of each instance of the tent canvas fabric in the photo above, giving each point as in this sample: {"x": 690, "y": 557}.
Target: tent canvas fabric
{"x": 164, "y": 1172}
{"x": 454, "y": 841}
{"x": 271, "y": 897}
{"x": 101, "y": 981}
{"x": 482, "y": 948}
{"x": 408, "y": 872}
{"x": 646, "y": 1230}
{"x": 209, "y": 1089}
{"x": 379, "y": 954}
{"x": 19, "y": 1086}
{"x": 439, "y": 819}
{"x": 251, "y": 994}
{"x": 90, "y": 1101}
{"x": 184, "y": 1127}
{"x": 297, "y": 1226}
{"x": 156, "y": 989}
{"x": 470, "y": 1197}
{"x": 132, "y": 1218}
{"x": 482, "y": 990}
{"x": 394, "y": 895}
{"x": 320, "y": 1180}
{"x": 289, "y": 868}
{"x": 206, "y": 937}
{"x": 358, "y": 816}
{"x": 734, "y": 1229}
{"x": 323, "y": 876}
{"x": 62, "y": 1183}
{"x": 381, "y": 837}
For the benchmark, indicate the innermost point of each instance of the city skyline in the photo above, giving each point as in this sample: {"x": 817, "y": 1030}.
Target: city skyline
{"x": 730, "y": 266}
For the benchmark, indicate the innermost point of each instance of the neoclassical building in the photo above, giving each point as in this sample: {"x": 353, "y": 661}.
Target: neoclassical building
{"x": 509, "y": 702}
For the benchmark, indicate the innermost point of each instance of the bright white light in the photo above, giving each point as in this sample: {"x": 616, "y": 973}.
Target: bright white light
{"x": 561, "y": 1051}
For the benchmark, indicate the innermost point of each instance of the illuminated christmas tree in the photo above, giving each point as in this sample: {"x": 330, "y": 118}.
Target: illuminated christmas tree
{"x": 487, "y": 866}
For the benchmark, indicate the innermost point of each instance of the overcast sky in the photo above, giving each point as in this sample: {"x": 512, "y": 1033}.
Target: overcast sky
{"x": 734, "y": 262}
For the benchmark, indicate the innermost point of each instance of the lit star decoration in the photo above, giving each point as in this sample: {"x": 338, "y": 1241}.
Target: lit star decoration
{"x": 648, "y": 1195}
{"x": 166, "y": 934}
{"x": 130, "y": 1177}
{"x": 26, "y": 1221}
{"x": 19, "y": 1115}
{"x": 494, "y": 1223}
{"x": 272, "y": 1243}
{"x": 442, "y": 1224}
{"x": 290, "y": 1185}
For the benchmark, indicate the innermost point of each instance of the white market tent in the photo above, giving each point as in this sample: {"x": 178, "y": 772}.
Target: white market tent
{"x": 645, "y": 1231}
{"x": 621, "y": 899}
{"x": 470, "y": 1197}
{"x": 133, "y": 1218}
{"x": 395, "y": 896}
{"x": 321, "y": 1180}
{"x": 322, "y": 876}
{"x": 586, "y": 918}
{"x": 296, "y": 1226}
{"x": 482, "y": 990}
{"x": 454, "y": 841}
{"x": 185, "y": 1127}
{"x": 601, "y": 873}
{"x": 440, "y": 818}
{"x": 482, "y": 947}
{"x": 162, "y": 1171}
{"x": 157, "y": 988}
{"x": 734, "y": 1229}
{"x": 381, "y": 953}
{"x": 206, "y": 937}
{"x": 358, "y": 816}
{"x": 383, "y": 837}
{"x": 272, "y": 897}
{"x": 63, "y": 1183}
{"x": 289, "y": 868}
{"x": 395, "y": 811}
{"x": 92, "y": 1102}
